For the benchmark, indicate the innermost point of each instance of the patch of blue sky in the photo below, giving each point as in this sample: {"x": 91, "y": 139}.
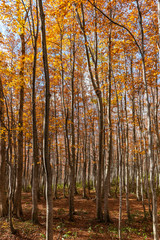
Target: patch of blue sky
{"x": 2, "y": 28}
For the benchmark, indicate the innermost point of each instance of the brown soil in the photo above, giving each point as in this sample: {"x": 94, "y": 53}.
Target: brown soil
{"x": 85, "y": 225}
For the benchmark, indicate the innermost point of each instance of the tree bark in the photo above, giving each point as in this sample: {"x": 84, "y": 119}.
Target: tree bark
{"x": 46, "y": 159}
{"x": 57, "y": 153}
{"x": 107, "y": 179}
{"x": 72, "y": 160}
{"x": 17, "y": 201}
{"x": 85, "y": 143}
{"x": 3, "y": 180}
{"x": 34, "y": 128}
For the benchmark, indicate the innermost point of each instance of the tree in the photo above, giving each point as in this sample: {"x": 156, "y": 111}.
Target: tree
{"x": 96, "y": 86}
{"x": 47, "y": 166}
{"x": 17, "y": 201}
{"x": 99, "y": 104}
{"x": 3, "y": 191}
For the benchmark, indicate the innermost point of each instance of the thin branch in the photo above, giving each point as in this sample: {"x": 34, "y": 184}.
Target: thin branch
{"x": 118, "y": 24}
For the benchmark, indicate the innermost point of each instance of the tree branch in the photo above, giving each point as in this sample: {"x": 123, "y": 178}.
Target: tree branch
{"x": 119, "y": 25}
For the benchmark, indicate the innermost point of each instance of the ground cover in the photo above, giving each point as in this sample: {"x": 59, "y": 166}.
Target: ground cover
{"x": 85, "y": 225}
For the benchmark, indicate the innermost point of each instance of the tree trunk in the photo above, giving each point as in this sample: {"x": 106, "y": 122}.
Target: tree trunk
{"x": 17, "y": 201}
{"x": 85, "y": 143}
{"x": 57, "y": 153}
{"x": 120, "y": 162}
{"x": 35, "y": 135}
{"x": 3, "y": 180}
{"x": 46, "y": 159}
{"x": 10, "y": 164}
{"x": 107, "y": 179}
{"x": 127, "y": 154}
{"x": 72, "y": 160}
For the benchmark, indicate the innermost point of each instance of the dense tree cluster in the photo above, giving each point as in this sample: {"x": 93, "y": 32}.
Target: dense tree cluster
{"x": 79, "y": 103}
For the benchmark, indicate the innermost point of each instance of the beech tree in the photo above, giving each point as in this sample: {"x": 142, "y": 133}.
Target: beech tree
{"x": 47, "y": 166}
{"x": 3, "y": 196}
{"x": 79, "y": 106}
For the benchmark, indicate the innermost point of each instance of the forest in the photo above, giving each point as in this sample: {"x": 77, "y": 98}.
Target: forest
{"x": 79, "y": 119}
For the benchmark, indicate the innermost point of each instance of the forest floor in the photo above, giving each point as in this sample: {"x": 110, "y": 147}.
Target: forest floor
{"x": 85, "y": 225}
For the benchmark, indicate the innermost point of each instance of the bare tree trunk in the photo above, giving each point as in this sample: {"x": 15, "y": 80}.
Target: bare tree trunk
{"x": 135, "y": 156}
{"x": 141, "y": 178}
{"x": 72, "y": 161}
{"x": 10, "y": 164}
{"x": 14, "y": 133}
{"x": 17, "y": 201}
{"x": 71, "y": 189}
{"x": 85, "y": 143}
{"x": 94, "y": 157}
{"x": 9, "y": 153}
{"x": 120, "y": 163}
{"x": 78, "y": 152}
{"x": 34, "y": 128}
{"x": 57, "y": 153}
{"x": 64, "y": 115}
{"x": 89, "y": 165}
{"x": 25, "y": 164}
{"x": 127, "y": 145}
{"x": 107, "y": 178}
{"x": 3, "y": 190}
{"x": 46, "y": 159}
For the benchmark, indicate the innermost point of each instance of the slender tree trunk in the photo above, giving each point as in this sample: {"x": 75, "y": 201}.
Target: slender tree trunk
{"x": 46, "y": 159}
{"x": 17, "y": 201}
{"x": 142, "y": 177}
{"x": 3, "y": 180}
{"x": 78, "y": 152}
{"x": 120, "y": 162}
{"x": 89, "y": 165}
{"x": 107, "y": 179}
{"x": 72, "y": 162}
{"x": 120, "y": 185}
{"x": 84, "y": 167}
{"x": 65, "y": 116}
{"x": 127, "y": 144}
{"x": 25, "y": 165}
{"x": 10, "y": 164}
{"x": 135, "y": 157}
{"x": 94, "y": 157}
{"x": 14, "y": 133}
{"x": 85, "y": 143}
{"x": 57, "y": 153}
{"x": 35, "y": 134}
